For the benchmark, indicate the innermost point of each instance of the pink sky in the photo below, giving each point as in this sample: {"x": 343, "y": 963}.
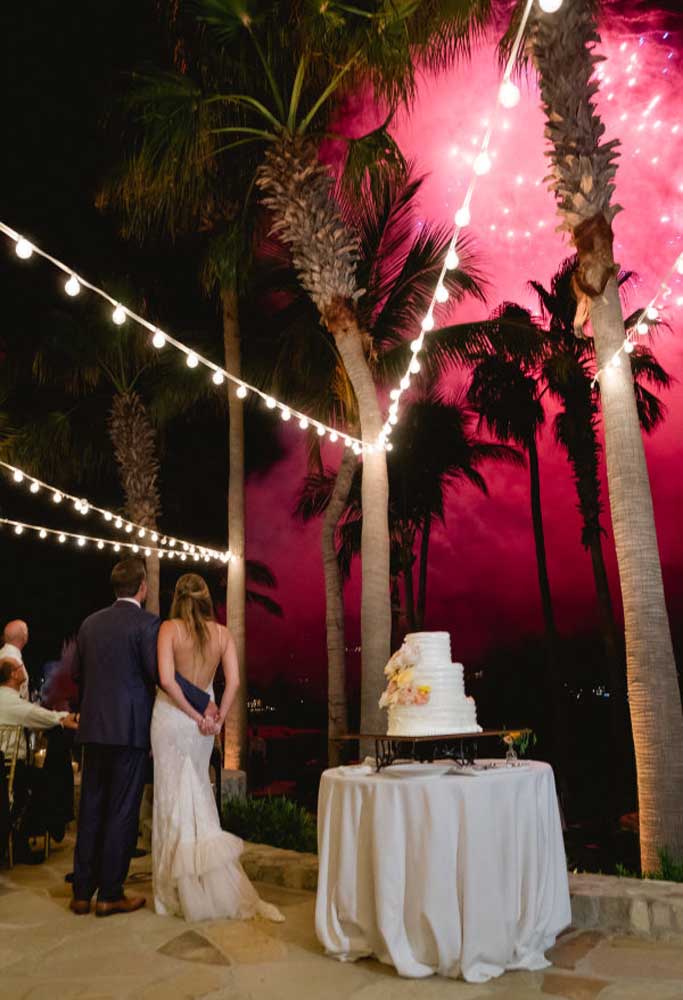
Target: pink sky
{"x": 482, "y": 584}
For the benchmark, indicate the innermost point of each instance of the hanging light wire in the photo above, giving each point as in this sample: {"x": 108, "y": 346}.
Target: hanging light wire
{"x": 25, "y": 249}
{"x": 84, "y": 506}
{"x": 102, "y": 544}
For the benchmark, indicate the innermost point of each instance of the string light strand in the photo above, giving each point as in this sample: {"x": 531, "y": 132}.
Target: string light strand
{"x": 84, "y": 506}
{"x": 650, "y": 314}
{"x": 508, "y": 97}
{"x": 103, "y": 544}
{"x": 25, "y": 249}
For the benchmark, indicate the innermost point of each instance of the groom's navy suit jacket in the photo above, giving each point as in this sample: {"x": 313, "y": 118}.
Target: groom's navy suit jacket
{"x": 115, "y": 667}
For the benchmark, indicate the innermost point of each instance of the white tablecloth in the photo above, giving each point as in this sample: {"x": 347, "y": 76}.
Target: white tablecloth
{"x": 462, "y": 876}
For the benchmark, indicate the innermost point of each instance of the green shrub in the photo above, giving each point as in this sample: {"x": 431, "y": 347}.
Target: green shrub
{"x": 671, "y": 870}
{"x": 275, "y": 821}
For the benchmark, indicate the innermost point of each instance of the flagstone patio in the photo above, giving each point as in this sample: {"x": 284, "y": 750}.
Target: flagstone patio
{"x": 47, "y": 953}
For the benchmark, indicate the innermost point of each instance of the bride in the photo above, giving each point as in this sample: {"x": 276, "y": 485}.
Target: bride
{"x": 196, "y": 868}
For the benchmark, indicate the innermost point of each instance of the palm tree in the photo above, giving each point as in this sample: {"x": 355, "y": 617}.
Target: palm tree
{"x": 398, "y": 266}
{"x": 505, "y": 391}
{"x": 584, "y": 167}
{"x": 436, "y": 433}
{"x": 275, "y": 92}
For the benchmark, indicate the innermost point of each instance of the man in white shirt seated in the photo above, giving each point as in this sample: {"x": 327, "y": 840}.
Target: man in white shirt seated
{"x": 28, "y": 788}
{"x": 15, "y": 637}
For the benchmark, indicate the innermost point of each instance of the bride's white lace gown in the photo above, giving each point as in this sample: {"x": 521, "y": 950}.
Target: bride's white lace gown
{"x": 196, "y": 868}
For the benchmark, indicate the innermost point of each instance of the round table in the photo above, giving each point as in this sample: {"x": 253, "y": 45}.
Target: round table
{"x": 443, "y": 873}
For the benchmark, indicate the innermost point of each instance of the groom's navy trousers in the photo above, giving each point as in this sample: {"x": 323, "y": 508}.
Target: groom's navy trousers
{"x": 115, "y": 668}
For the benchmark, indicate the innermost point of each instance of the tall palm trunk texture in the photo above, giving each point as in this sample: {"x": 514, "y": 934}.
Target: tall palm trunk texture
{"x": 298, "y": 190}
{"x": 337, "y": 713}
{"x": 135, "y": 450}
{"x": 422, "y": 579}
{"x": 584, "y": 167}
{"x": 236, "y": 723}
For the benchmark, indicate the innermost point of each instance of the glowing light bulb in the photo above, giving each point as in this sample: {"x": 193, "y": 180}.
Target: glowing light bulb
{"x": 428, "y": 322}
{"x": 35, "y": 486}
{"x": 393, "y": 419}
{"x": 642, "y": 329}
{"x": 18, "y": 528}
{"x": 129, "y": 529}
{"x": 270, "y": 402}
{"x": 119, "y": 315}
{"x": 550, "y": 6}
{"x": 509, "y": 94}
{"x": 135, "y": 548}
{"x": 286, "y": 414}
{"x": 81, "y": 541}
{"x": 390, "y": 446}
{"x": 652, "y": 313}
{"x": 56, "y": 497}
{"x": 62, "y": 538}
{"x": 320, "y": 430}
{"x": 100, "y": 544}
{"x": 42, "y": 533}
{"x": 77, "y": 505}
{"x": 192, "y": 360}
{"x": 415, "y": 347}
{"x": 452, "y": 260}
{"x": 23, "y": 249}
{"x": 334, "y": 436}
{"x": 155, "y": 537}
{"x": 217, "y": 378}
{"x": 629, "y": 346}
{"x": 242, "y": 392}
{"x": 482, "y": 164}
{"x": 118, "y": 523}
{"x": 414, "y": 366}
{"x": 394, "y": 394}
{"x": 18, "y": 476}
{"x": 405, "y": 382}
{"x": 158, "y": 340}
{"x": 141, "y": 533}
{"x": 441, "y": 293}
{"x": 303, "y": 423}
{"x": 614, "y": 363}
{"x": 462, "y": 217}
{"x": 84, "y": 508}
{"x": 72, "y": 286}
{"x": 117, "y": 547}
{"x": 107, "y": 515}
{"x": 148, "y": 552}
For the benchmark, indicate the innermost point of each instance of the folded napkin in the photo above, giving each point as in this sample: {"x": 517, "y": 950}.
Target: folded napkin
{"x": 356, "y": 770}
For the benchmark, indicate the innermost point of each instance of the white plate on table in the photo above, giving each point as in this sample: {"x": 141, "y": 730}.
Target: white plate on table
{"x": 414, "y": 770}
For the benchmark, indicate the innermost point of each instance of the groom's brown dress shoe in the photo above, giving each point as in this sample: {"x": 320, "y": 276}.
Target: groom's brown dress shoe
{"x": 80, "y": 907}
{"x": 127, "y": 904}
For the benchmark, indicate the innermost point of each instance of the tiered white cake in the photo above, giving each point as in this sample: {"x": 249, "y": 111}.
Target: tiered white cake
{"x": 426, "y": 692}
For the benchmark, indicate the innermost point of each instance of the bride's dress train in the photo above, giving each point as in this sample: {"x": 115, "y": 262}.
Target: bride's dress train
{"x": 196, "y": 868}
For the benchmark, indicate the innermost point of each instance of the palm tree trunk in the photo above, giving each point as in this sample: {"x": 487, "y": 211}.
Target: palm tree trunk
{"x": 539, "y": 539}
{"x": 409, "y": 585}
{"x": 422, "y": 582}
{"x": 654, "y": 693}
{"x": 337, "y": 716}
{"x": 236, "y": 723}
{"x": 376, "y": 598}
{"x": 135, "y": 450}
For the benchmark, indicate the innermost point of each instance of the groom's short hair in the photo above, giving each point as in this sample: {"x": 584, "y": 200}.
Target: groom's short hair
{"x": 127, "y": 577}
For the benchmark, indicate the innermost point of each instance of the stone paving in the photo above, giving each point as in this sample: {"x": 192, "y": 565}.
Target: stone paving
{"x": 46, "y": 953}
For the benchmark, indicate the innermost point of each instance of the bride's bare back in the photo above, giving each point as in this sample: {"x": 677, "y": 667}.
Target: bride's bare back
{"x": 194, "y": 664}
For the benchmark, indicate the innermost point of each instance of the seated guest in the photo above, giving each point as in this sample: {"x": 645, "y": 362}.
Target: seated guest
{"x": 30, "y": 787}
{"x": 15, "y": 637}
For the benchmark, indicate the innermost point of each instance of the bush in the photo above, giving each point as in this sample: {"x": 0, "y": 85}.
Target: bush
{"x": 671, "y": 870}
{"x": 274, "y": 821}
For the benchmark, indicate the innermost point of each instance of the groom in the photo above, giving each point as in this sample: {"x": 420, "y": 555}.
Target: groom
{"x": 115, "y": 666}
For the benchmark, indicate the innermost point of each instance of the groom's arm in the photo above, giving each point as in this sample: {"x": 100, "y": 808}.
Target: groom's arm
{"x": 197, "y": 698}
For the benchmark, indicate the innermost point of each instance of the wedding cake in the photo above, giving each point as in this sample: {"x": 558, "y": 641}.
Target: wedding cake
{"x": 425, "y": 693}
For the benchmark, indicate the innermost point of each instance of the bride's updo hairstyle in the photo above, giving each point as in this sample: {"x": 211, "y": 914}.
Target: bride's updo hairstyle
{"x": 192, "y": 604}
